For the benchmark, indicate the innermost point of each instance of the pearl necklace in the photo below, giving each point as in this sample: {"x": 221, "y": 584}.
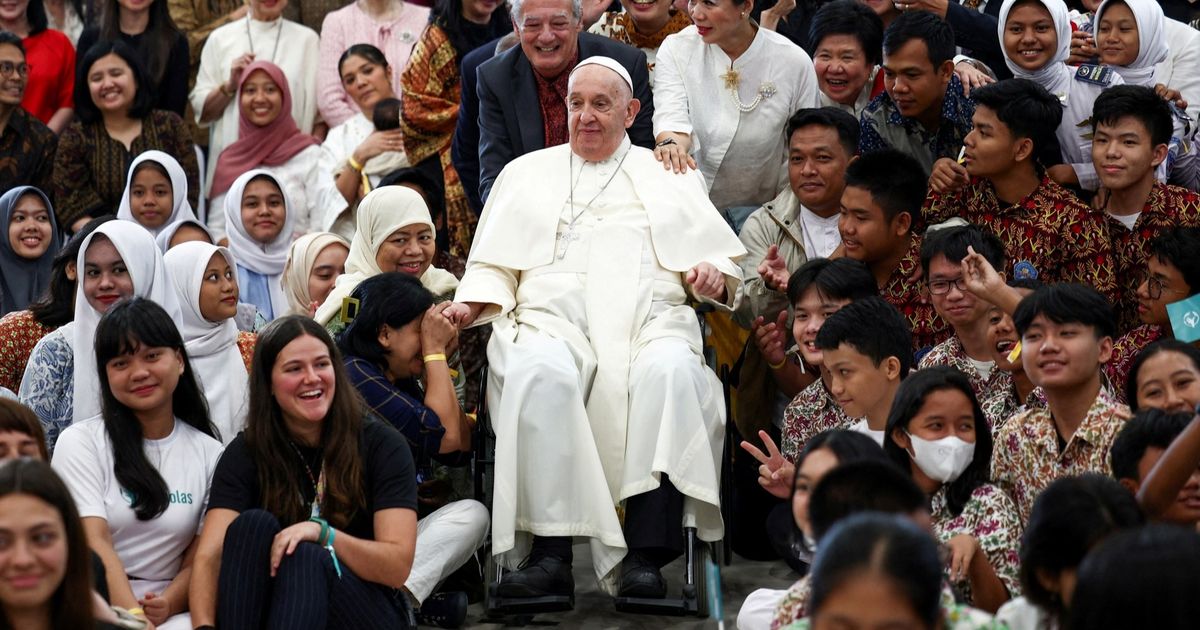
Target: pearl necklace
{"x": 733, "y": 79}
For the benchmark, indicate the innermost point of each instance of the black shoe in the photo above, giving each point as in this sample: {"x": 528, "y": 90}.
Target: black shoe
{"x": 641, "y": 578}
{"x": 444, "y": 610}
{"x": 538, "y": 576}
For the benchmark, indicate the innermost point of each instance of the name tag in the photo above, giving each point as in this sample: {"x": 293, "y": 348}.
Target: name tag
{"x": 1094, "y": 74}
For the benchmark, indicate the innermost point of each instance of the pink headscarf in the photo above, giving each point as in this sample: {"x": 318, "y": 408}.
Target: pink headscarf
{"x": 270, "y": 145}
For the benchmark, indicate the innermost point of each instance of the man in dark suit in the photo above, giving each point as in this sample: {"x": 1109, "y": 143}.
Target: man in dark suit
{"x": 522, "y": 92}
{"x": 464, "y": 149}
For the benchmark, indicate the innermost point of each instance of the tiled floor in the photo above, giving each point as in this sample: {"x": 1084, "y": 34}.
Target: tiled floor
{"x": 594, "y": 610}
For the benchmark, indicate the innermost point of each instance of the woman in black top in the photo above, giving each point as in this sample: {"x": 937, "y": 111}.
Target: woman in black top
{"x": 160, "y": 46}
{"x": 312, "y": 516}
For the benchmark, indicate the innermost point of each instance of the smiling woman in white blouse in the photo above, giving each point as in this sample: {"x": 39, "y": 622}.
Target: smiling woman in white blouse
{"x": 749, "y": 80}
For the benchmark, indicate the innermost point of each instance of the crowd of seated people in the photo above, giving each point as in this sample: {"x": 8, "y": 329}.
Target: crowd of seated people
{"x": 273, "y": 274}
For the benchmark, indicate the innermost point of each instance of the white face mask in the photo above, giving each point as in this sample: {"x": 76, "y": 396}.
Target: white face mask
{"x": 942, "y": 460}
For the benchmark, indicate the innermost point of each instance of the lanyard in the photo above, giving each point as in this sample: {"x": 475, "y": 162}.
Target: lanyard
{"x": 318, "y": 483}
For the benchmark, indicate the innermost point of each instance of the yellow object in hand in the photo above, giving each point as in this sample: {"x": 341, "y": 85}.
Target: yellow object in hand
{"x": 1016, "y": 353}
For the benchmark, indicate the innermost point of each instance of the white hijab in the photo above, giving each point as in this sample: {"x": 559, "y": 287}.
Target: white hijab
{"x": 181, "y": 210}
{"x": 145, "y": 265}
{"x": 211, "y": 346}
{"x": 163, "y": 240}
{"x": 382, "y": 212}
{"x": 1055, "y": 76}
{"x": 301, "y": 259}
{"x": 1152, "y": 41}
{"x": 268, "y": 259}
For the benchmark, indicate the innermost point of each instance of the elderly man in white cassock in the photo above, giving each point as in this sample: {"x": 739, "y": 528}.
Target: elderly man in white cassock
{"x": 608, "y": 423}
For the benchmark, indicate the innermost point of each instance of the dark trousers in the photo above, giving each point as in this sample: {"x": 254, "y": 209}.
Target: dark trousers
{"x": 653, "y": 523}
{"x": 306, "y": 592}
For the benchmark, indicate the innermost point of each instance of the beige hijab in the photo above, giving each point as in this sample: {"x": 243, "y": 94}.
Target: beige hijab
{"x": 382, "y": 212}
{"x": 301, "y": 259}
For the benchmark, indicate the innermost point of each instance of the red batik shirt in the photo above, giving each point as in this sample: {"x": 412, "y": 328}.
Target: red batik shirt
{"x": 1125, "y": 350}
{"x": 928, "y": 328}
{"x": 1050, "y": 231}
{"x": 552, "y": 100}
{"x": 1166, "y": 208}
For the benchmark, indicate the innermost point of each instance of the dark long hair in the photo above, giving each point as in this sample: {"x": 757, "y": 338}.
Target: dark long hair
{"x": 159, "y": 35}
{"x": 57, "y": 306}
{"x": 126, "y": 327}
{"x": 85, "y": 108}
{"x": 71, "y": 604}
{"x": 394, "y": 299}
{"x": 35, "y": 14}
{"x": 270, "y": 444}
{"x": 463, "y": 34}
{"x": 910, "y": 397}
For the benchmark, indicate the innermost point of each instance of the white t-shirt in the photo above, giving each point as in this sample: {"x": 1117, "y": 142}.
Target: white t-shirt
{"x": 1126, "y": 219}
{"x": 862, "y": 427}
{"x": 984, "y": 368}
{"x": 149, "y": 550}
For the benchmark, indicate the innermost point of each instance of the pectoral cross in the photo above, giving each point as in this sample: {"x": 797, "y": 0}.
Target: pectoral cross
{"x": 565, "y": 239}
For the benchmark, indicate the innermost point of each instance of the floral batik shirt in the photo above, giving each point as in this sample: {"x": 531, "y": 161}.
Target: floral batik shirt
{"x": 1027, "y": 458}
{"x": 995, "y": 387}
{"x": 1125, "y": 350}
{"x": 812, "y": 411}
{"x": 928, "y": 328}
{"x": 998, "y": 408}
{"x": 990, "y": 517}
{"x": 19, "y": 333}
{"x": 48, "y": 387}
{"x": 1167, "y": 207}
{"x": 1050, "y": 234}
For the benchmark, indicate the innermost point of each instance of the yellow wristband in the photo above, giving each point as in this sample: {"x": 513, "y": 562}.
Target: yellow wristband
{"x": 430, "y": 358}
{"x": 137, "y": 612}
{"x": 776, "y": 366}
{"x": 354, "y": 163}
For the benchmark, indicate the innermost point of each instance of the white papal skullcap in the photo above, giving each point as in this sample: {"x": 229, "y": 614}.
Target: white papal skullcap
{"x": 607, "y": 62}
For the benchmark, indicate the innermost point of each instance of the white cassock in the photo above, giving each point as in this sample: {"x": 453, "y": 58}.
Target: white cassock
{"x": 597, "y": 384}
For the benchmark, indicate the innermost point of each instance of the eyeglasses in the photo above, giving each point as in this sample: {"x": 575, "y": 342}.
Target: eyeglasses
{"x": 942, "y": 287}
{"x": 1155, "y": 287}
{"x": 8, "y": 67}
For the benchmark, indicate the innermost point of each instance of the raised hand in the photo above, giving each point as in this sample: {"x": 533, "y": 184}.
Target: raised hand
{"x": 770, "y": 338}
{"x": 773, "y": 270}
{"x": 437, "y": 331}
{"x": 978, "y": 274}
{"x": 775, "y": 474}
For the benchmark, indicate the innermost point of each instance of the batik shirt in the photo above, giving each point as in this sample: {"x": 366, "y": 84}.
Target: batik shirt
{"x": 1125, "y": 350}
{"x": 1027, "y": 457}
{"x": 883, "y": 127}
{"x": 998, "y": 408}
{"x": 990, "y": 517}
{"x": 1050, "y": 234}
{"x": 812, "y": 411}
{"x": 19, "y": 333}
{"x": 1167, "y": 207}
{"x": 928, "y": 328}
{"x": 951, "y": 353}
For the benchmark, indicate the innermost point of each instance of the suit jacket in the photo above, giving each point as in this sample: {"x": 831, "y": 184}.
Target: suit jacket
{"x": 464, "y": 148}
{"x": 975, "y": 32}
{"x": 510, "y": 119}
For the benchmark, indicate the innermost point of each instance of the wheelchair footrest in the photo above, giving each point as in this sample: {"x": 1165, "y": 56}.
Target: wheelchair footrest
{"x": 499, "y": 605}
{"x": 667, "y": 606}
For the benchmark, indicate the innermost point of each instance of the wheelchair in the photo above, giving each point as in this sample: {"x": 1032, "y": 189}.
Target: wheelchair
{"x": 701, "y": 574}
